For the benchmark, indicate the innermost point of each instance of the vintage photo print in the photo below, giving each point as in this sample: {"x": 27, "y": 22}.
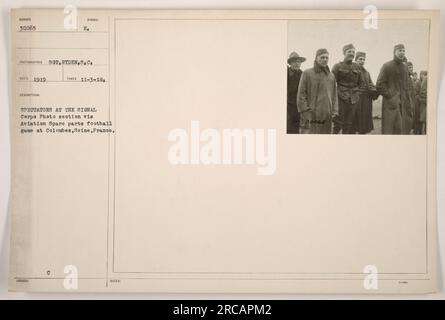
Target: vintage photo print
{"x": 344, "y": 78}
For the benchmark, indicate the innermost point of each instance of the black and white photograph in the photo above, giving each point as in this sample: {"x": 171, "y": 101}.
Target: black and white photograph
{"x": 149, "y": 153}
{"x": 346, "y": 78}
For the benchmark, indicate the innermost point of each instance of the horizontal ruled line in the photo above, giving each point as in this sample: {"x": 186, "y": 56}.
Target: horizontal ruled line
{"x": 29, "y": 48}
{"x": 61, "y": 81}
{"x": 47, "y": 31}
{"x": 61, "y": 65}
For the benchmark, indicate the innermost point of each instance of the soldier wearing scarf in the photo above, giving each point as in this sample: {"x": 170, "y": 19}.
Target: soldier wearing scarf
{"x": 393, "y": 84}
{"x": 317, "y": 96}
{"x": 349, "y": 80}
{"x": 363, "y": 121}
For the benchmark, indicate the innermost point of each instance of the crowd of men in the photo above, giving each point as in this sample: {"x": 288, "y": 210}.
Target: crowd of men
{"x": 321, "y": 101}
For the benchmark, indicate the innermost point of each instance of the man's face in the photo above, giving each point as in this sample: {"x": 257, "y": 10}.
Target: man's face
{"x": 323, "y": 59}
{"x": 400, "y": 53}
{"x": 295, "y": 65}
{"x": 361, "y": 61}
{"x": 349, "y": 54}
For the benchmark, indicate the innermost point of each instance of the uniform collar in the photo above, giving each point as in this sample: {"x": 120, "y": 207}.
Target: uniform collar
{"x": 397, "y": 60}
{"x": 318, "y": 68}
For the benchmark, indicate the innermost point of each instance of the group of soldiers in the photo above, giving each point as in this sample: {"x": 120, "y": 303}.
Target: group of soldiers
{"x": 322, "y": 101}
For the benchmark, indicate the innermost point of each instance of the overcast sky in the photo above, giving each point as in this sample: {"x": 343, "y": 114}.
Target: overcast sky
{"x": 305, "y": 37}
